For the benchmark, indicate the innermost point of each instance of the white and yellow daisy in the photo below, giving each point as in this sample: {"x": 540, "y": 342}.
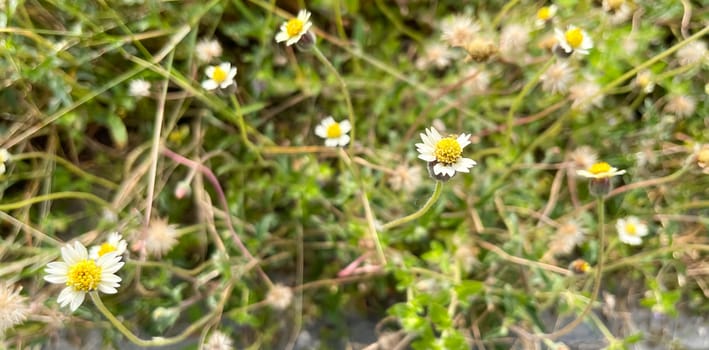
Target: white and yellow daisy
{"x": 4, "y": 157}
{"x": 82, "y": 274}
{"x": 631, "y": 230}
{"x": 220, "y": 76}
{"x": 601, "y": 170}
{"x": 114, "y": 243}
{"x": 574, "y": 40}
{"x": 295, "y": 28}
{"x": 334, "y": 133}
{"x": 544, "y": 15}
{"x": 445, "y": 152}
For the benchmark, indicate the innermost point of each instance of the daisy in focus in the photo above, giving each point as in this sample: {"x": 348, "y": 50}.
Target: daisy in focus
{"x": 81, "y": 274}
{"x": 334, "y": 133}
{"x": 115, "y": 243}
{"x": 631, "y": 230}
{"x": 295, "y": 28}
{"x": 220, "y": 76}
{"x": 544, "y": 15}
{"x": 600, "y": 170}
{"x": 444, "y": 154}
{"x": 574, "y": 40}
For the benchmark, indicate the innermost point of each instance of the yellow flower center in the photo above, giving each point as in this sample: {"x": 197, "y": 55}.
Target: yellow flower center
{"x": 293, "y": 27}
{"x": 84, "y": 276}
{"x": 334, "y": 131}
{"x": 630, "y": 229}
{"x": 219, "y": 75}
{"x": 574, "y": 37}
{"x": 600, "y": 168}
{"x": 106, "y": 248}
{"x": 544, "y": 13}
{"x": 448, "y": 151}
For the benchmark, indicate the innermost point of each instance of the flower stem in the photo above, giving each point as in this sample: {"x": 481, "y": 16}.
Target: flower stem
{"x": 242, "y": 126}
{"x": 418, "y": 213}
{"x": 598, "y": 274}
{"x": 345, "y": 92}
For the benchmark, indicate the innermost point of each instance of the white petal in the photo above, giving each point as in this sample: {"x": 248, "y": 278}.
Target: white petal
{"x": 427, "y": 157}
{"x": 331, "y": 142}
{"x": 107, "y": 289}
{"x": 65, "y": 296}
{"x": 209, "y": 71}
{"x": 76, "y": 300}
{"x": 328, "y": 121}
{"x": 232, "y": 74}
{"x": 225, "y": 84}
{"x": 225, "y": 67}
{"x": 345, "y": 126}
{"x": 344, "y": 140}
{"x": 56, "y": 279}
{"x": 321, "y": 131}
{"x": 209, "y": 84}
{"x": 463, "y": 140}
{"x": 281, "y": 36}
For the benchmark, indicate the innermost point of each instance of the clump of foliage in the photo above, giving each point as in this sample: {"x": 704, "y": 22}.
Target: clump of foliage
{"x": 248, "y": 218}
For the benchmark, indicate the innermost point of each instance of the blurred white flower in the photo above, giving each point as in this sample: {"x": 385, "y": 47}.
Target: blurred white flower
{"x": 692, "y": 53}
{"x": 5, "y": 156}
{"x": 13, "y": 307}
{"x": 513, "y": 40}
{"x": 682, "y": 106}
{"x": 294, "y": 29}
{"x": 207, "y": 50}
{"x": 160, "y": 237}
{"x": 458, "y": 30}
{"x": 574, "y": 40}
{"x": 631, "y": 230}
{"x": 218, "y": 341}
{"x": 583, "y": 158}
{"x": 220, "y": 76}
{"x": 435, "y": 54}
{"x": 585, "y": 95}
{"x": 406, "y": 178}
{"x": 557, "y": 78}
{"x": 139, "y": 88}
{"x": 544, "y": 15}
{"x": 334, "y": 133}
{"x": 279, "y": 297}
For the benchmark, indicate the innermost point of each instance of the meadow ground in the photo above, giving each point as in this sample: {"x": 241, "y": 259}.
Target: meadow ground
{"x": 345, "y": 174}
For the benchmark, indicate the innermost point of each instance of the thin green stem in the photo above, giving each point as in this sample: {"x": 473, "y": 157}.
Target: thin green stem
{"x": 345, "y": 92}
{"x": 242, "y": 127}
{"x": 69, "y": 166}
{"x": 418, "y": 213}
{"x": 597, "y": 277}
{"x": 53, "y": 196}
{"x": 160, "y": 341}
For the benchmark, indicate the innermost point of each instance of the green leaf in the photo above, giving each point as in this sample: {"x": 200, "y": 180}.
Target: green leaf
{"x": 118, "y": 131}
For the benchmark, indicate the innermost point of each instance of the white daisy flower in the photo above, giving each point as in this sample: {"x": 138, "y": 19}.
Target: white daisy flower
{"x": 295, "y": 28}
{"x": 644, "y": 81}
{"x": 82, "y": 274}
{"x": 139, "y": 88}
{"x": 220, "y": 76}
{"x": 445, "y": 152}
{"x": 115, "y": 243}
{"x": 631, "y": 230}
{"x": 334, "y": 133}
{"x": 4, "y": 157}
{"x": 207, "y": 50}
{"x": 544, "y": 15}
{"x": 600, "y": 170}
{"x": 574, "y": 40}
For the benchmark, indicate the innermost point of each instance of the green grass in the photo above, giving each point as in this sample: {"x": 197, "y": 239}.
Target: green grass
{"x": 362, "y": 229}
